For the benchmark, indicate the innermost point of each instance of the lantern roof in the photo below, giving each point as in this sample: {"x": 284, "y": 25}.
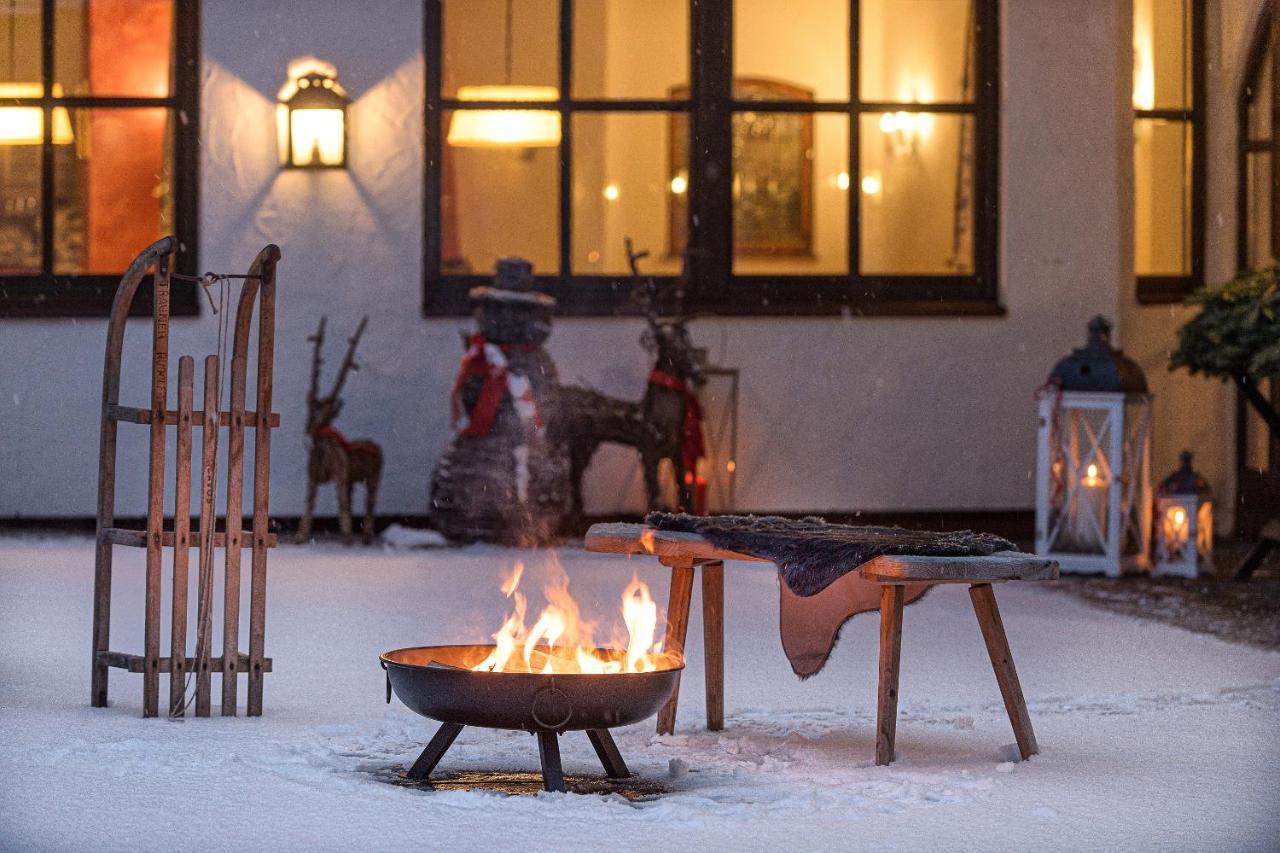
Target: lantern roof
{"x": 512, "y": 284}
{"x": 1184, "y": 481}
{"x": 1098, "y": 366}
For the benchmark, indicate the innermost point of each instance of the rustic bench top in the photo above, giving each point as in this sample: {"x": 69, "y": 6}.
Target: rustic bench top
{"x": 671, "y": 546}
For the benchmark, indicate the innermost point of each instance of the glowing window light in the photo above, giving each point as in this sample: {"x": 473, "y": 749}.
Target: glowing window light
{"x": 871, "y": 184}
{"x": 25, "y": 125}
{"x": 611, "y": 192}
{"x": 505, "y": 128}
{"x": 679, "y": 184}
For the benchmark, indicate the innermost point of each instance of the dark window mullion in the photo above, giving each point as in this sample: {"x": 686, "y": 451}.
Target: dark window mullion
{"x": 432, "y": 224}
{"x": 854, "y": 194}
{"x": 566, "y": 139}
{"x": 47, "y": 201}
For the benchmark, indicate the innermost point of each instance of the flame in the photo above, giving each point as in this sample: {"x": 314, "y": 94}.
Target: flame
{"x": 646, "y": 540}
{"x": 560, "y": 640}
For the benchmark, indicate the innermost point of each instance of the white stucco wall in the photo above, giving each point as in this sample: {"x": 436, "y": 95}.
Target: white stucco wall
{"x": 875, "y": 414}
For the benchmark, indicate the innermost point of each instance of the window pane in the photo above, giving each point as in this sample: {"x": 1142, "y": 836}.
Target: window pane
{"x": 20, "y": 47}
{"x": 807, "y": 44}
{"x": 1258, "y": 220}
{"x": 917, "y": 193}
{"x": 623, "y": 187}
{"x": 1260, "y": 105}
{"x": 113, "y": 48}
{"x": 630, "y": 48}
{"x": 497, "y": 202}
{"x": 1162, "y": 197}
{"x": 20, "y": 220}
{"x": 790, "y": 193}
{"x": 114, "y": 190}
{"x": 480, "y": 50}
{"x": 1161, "y": 54}
{"x": 916, "y": 51}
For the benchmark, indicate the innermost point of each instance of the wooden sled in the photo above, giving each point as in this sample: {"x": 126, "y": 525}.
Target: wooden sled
{"x": 260, "y": 286}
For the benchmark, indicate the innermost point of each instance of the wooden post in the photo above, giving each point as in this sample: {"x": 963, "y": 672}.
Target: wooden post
{"x": 155, "y": 491}
{"x": 181, "y": 539}
{"x": 234, "y": 525}
{"x": 261, "y": 475}
{"x": 677, "y": 630}
{"x": 208, "y": 525}
{"x": 984, "y": 605}
{"x": 891, "y": 599}
{"x": 713, "y": 641}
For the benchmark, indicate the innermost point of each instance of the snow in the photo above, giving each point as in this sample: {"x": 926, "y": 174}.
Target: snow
{"x": 1151, "y": 737}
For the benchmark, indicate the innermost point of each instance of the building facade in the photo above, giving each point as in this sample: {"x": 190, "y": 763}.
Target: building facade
{"x": 957, "y": 213}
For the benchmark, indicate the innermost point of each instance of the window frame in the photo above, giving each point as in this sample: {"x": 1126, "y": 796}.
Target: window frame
{"x": 1166, "y": 289}
{"x": 49, "y": 294}
{"x": 1259, "y": 54}
{"x": 714, "y": 289}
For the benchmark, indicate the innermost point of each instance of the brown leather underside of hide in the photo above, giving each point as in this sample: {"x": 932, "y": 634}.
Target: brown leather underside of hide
{"x": 810, "y": 625}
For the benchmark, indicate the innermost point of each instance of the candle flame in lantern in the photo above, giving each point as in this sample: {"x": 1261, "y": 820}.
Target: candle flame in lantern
{"x": 560, "y": 640}
{"x": 1179, "y": 516}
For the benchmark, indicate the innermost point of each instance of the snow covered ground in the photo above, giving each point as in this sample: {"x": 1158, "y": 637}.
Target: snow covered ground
{"x": 1151, "y": 737}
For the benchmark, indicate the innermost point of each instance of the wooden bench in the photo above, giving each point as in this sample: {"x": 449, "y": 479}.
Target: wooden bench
{"x": 682, "y": 552}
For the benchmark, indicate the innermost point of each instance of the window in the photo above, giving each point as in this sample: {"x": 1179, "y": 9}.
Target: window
{"x": 1168, "y": 147}
{"x": 814, "y": 157}
{"x": 1254, "y": 240}
{"x": 98, "y": 134}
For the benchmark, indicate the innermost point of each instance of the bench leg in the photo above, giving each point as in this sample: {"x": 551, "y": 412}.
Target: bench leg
{"x": 891, "y": 599}
{"x": 677, "y": 630}
{"x": 984, "y": 605}
{"x": 713, "y": 641}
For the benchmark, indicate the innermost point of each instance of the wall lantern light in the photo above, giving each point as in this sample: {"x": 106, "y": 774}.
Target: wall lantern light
{"x": 1184, "y": 523}
{"x": 1093, "y": 479}
{"x": 311, "y": 115}
{"x": 25, "y": 125}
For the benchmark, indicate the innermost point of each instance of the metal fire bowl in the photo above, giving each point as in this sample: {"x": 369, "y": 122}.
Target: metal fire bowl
{"x": 449, "y": 691}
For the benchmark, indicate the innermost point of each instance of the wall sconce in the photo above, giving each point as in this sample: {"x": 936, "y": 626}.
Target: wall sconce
{"x": 904, "y": 130}
{"x": 1184, "y": 523}
{"x": 311, "y": 116}
{"x": 25, "y": 125}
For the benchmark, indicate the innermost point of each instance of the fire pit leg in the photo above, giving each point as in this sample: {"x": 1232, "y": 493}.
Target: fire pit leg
{"x": 435, "y": 751}
{"x": 549, "y": 752}
{"x": 607, "y": 750}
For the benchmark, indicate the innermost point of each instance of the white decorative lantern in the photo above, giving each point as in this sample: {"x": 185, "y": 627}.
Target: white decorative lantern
{"x": 1184, "y": 523}
{"x": 1093, "y": 482}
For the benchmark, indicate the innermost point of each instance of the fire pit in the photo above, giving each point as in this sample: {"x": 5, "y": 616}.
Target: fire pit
{"x": 438, "y": 682}
{"x": 545, "y": 680}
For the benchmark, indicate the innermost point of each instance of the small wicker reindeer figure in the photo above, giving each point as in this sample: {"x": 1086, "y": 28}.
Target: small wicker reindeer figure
{"x": 334, "y": 457}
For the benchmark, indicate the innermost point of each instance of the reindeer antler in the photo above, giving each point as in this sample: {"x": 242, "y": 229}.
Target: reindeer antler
{"x": 316, "y": 360}
{"x": 349, "y": 361}
{"x": 634, "y": 257}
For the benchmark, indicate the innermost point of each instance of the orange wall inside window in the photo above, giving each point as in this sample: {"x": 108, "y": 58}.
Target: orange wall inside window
{"x": 128, "y": 52}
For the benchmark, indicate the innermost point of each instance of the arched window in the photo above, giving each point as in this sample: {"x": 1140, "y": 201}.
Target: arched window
{"x": 1257, "y": 452}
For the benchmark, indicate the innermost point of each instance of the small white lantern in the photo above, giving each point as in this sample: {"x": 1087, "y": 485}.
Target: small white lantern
{"x": 1184, "y": 523}
{"x": 1093, "y": 481}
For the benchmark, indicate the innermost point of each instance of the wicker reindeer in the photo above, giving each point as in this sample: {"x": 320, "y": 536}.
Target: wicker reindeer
{"x": 666, "y": 423}
{"x": 333, "y": 457}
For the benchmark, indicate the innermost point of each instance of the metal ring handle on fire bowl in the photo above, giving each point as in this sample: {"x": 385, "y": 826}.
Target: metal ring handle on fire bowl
{"x": 551, "y": 709}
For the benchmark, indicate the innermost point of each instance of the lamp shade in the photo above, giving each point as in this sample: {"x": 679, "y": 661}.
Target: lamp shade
{"x": 506, "y": 128}
{"x": 25, "y": 125}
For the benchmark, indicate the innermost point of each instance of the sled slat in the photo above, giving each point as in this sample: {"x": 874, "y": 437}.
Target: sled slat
{"x": 134, "y": 415}
{"x": 261, "y": 483}
{"x": 182, "y": 538}
{"x": 235, "y": 509}
{"x": 138, "y": 538}
{"x": 136, "y": 663}
{"x": 208, "y": 522}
